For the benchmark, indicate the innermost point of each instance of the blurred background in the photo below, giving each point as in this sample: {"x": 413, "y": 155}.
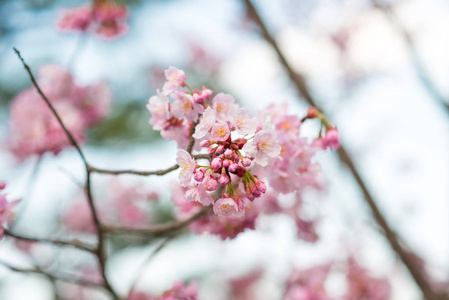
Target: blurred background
{"x": 379, "y": 70}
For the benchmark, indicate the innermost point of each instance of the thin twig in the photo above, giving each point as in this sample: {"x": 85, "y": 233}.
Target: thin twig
{"x": 77, "y": 244}
{"x": 78, "y": 281}
{"x": 144, "y": 173}
{"x": 391, "y": 236}
{"x": 67, "y": 132}
{"x": 99, "y": 251}
{"x": 157, "y": 230}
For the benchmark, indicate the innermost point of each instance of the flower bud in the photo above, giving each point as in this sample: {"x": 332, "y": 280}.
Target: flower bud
{"x": 211, "y": 185}
{"x": 226, "y": 163}
{"x": 205, "y": 143}
{"x": 220, "y": 149}
{"x": 216, "y": 163}
{"x": 246, "y": 162}
{"x": 199, "y": 176}
{"x": 228, "y": 153}
{"x": 233, "y": 167}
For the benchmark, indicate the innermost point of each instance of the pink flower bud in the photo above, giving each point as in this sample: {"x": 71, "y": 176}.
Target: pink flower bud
{"x": 211, "y": 185}
{"x": 226, "y": 163}
{"x": 224, "y": 179}
{"x": 2, "y": 185}
{"x": 246, "y": 162}
{"x": 199, "y": 176}
{"x": 220, "y": 149}
{"x": 331, "y": 139}
{"x": 216, "y": 163}
{"x": 205, "y": 143}
{"x": 236, "y": 157}
{"x": 233, "y": 167}
{"x": 228, "y": 153}
{"x": 211, "y": 150}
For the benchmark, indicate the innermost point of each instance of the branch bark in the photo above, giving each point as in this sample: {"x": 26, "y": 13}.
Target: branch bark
{"x": 303, "y": 91}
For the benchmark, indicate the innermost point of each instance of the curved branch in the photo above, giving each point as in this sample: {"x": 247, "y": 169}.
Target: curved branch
{"x": 390, "y": 234}
{"x": 78, "y": 281}
{"x": 144, "y": 173}
{"x": 77, "y": 244}
{"x": 159, "y": 229}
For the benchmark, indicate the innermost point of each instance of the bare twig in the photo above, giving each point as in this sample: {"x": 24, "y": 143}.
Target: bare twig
{"x": 144, "y": 173}
{"x": 67, "y": 132}
{"x": 78, "y": 281}
{"x": 77, "y": 244}
{"x": 100, "y": 250}
{"x": 391, "y": 236}
{"x": 157, "y": 230}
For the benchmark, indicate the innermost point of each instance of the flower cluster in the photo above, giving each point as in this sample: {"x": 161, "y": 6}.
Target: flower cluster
{"x": 240, "y": 146}
{"x": 35, "y": 130}
{"x": 105, "y": 17}
{"x": 6, "y": 209}
{"x": 310, "y": 283}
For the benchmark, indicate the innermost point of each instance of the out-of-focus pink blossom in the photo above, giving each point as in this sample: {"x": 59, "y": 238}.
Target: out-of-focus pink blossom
{"x": 105, "y": 17}
{"x": 35, "y": 130}
{"x": 180, "y": 292}
{"x": 221, "y": 103}
{"x": 175, "y": 78}
{"x": 331, "y": 139}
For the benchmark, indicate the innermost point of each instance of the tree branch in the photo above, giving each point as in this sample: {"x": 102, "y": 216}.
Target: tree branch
{"x": 159, "y": 229}
{"x": 145, "y": 173}
{"x": 99, "y": 251}
{"x": 303, "y": 91}
{"x": 67, "y": 279}
{"x": 77, "y": 244}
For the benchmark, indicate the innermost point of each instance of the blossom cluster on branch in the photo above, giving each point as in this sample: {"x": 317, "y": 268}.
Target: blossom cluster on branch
{"x": 245, "y": 152}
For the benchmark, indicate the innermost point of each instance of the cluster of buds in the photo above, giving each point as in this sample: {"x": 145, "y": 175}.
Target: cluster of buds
{"x": 330, "y": 139}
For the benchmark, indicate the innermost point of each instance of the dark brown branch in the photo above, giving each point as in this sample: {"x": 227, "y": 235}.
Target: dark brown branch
{"x": 77, "y": 244}
{"x": 78, "y": 281}
{"x": 299, "y": 82}
{"x": 144, "y": 173}
{"x": 191, "y": 139}
{"x": 157, "y": 230}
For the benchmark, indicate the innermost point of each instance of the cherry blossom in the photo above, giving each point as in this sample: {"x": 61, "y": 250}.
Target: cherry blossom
{"x": 187, "y": 165}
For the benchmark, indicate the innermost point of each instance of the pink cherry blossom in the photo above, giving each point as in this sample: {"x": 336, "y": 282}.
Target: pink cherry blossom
{"x": 158, "y": 106}
{"x": 331, "y": 139}
{"x": 78, "y": 19}
{"x": 175, "y": 78}
{"x": 187, "y": 165}
{"x": 185, "y": 106}
{"x": 220, "y": 132}
{"x": 225, "y": 207}
{"x": 240, "y": 118}
{"x": 200, "y": 195}
{"x": 221, "y": 104}
{"x": 205, "y": 124}
{"x": 263, "y": 147}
